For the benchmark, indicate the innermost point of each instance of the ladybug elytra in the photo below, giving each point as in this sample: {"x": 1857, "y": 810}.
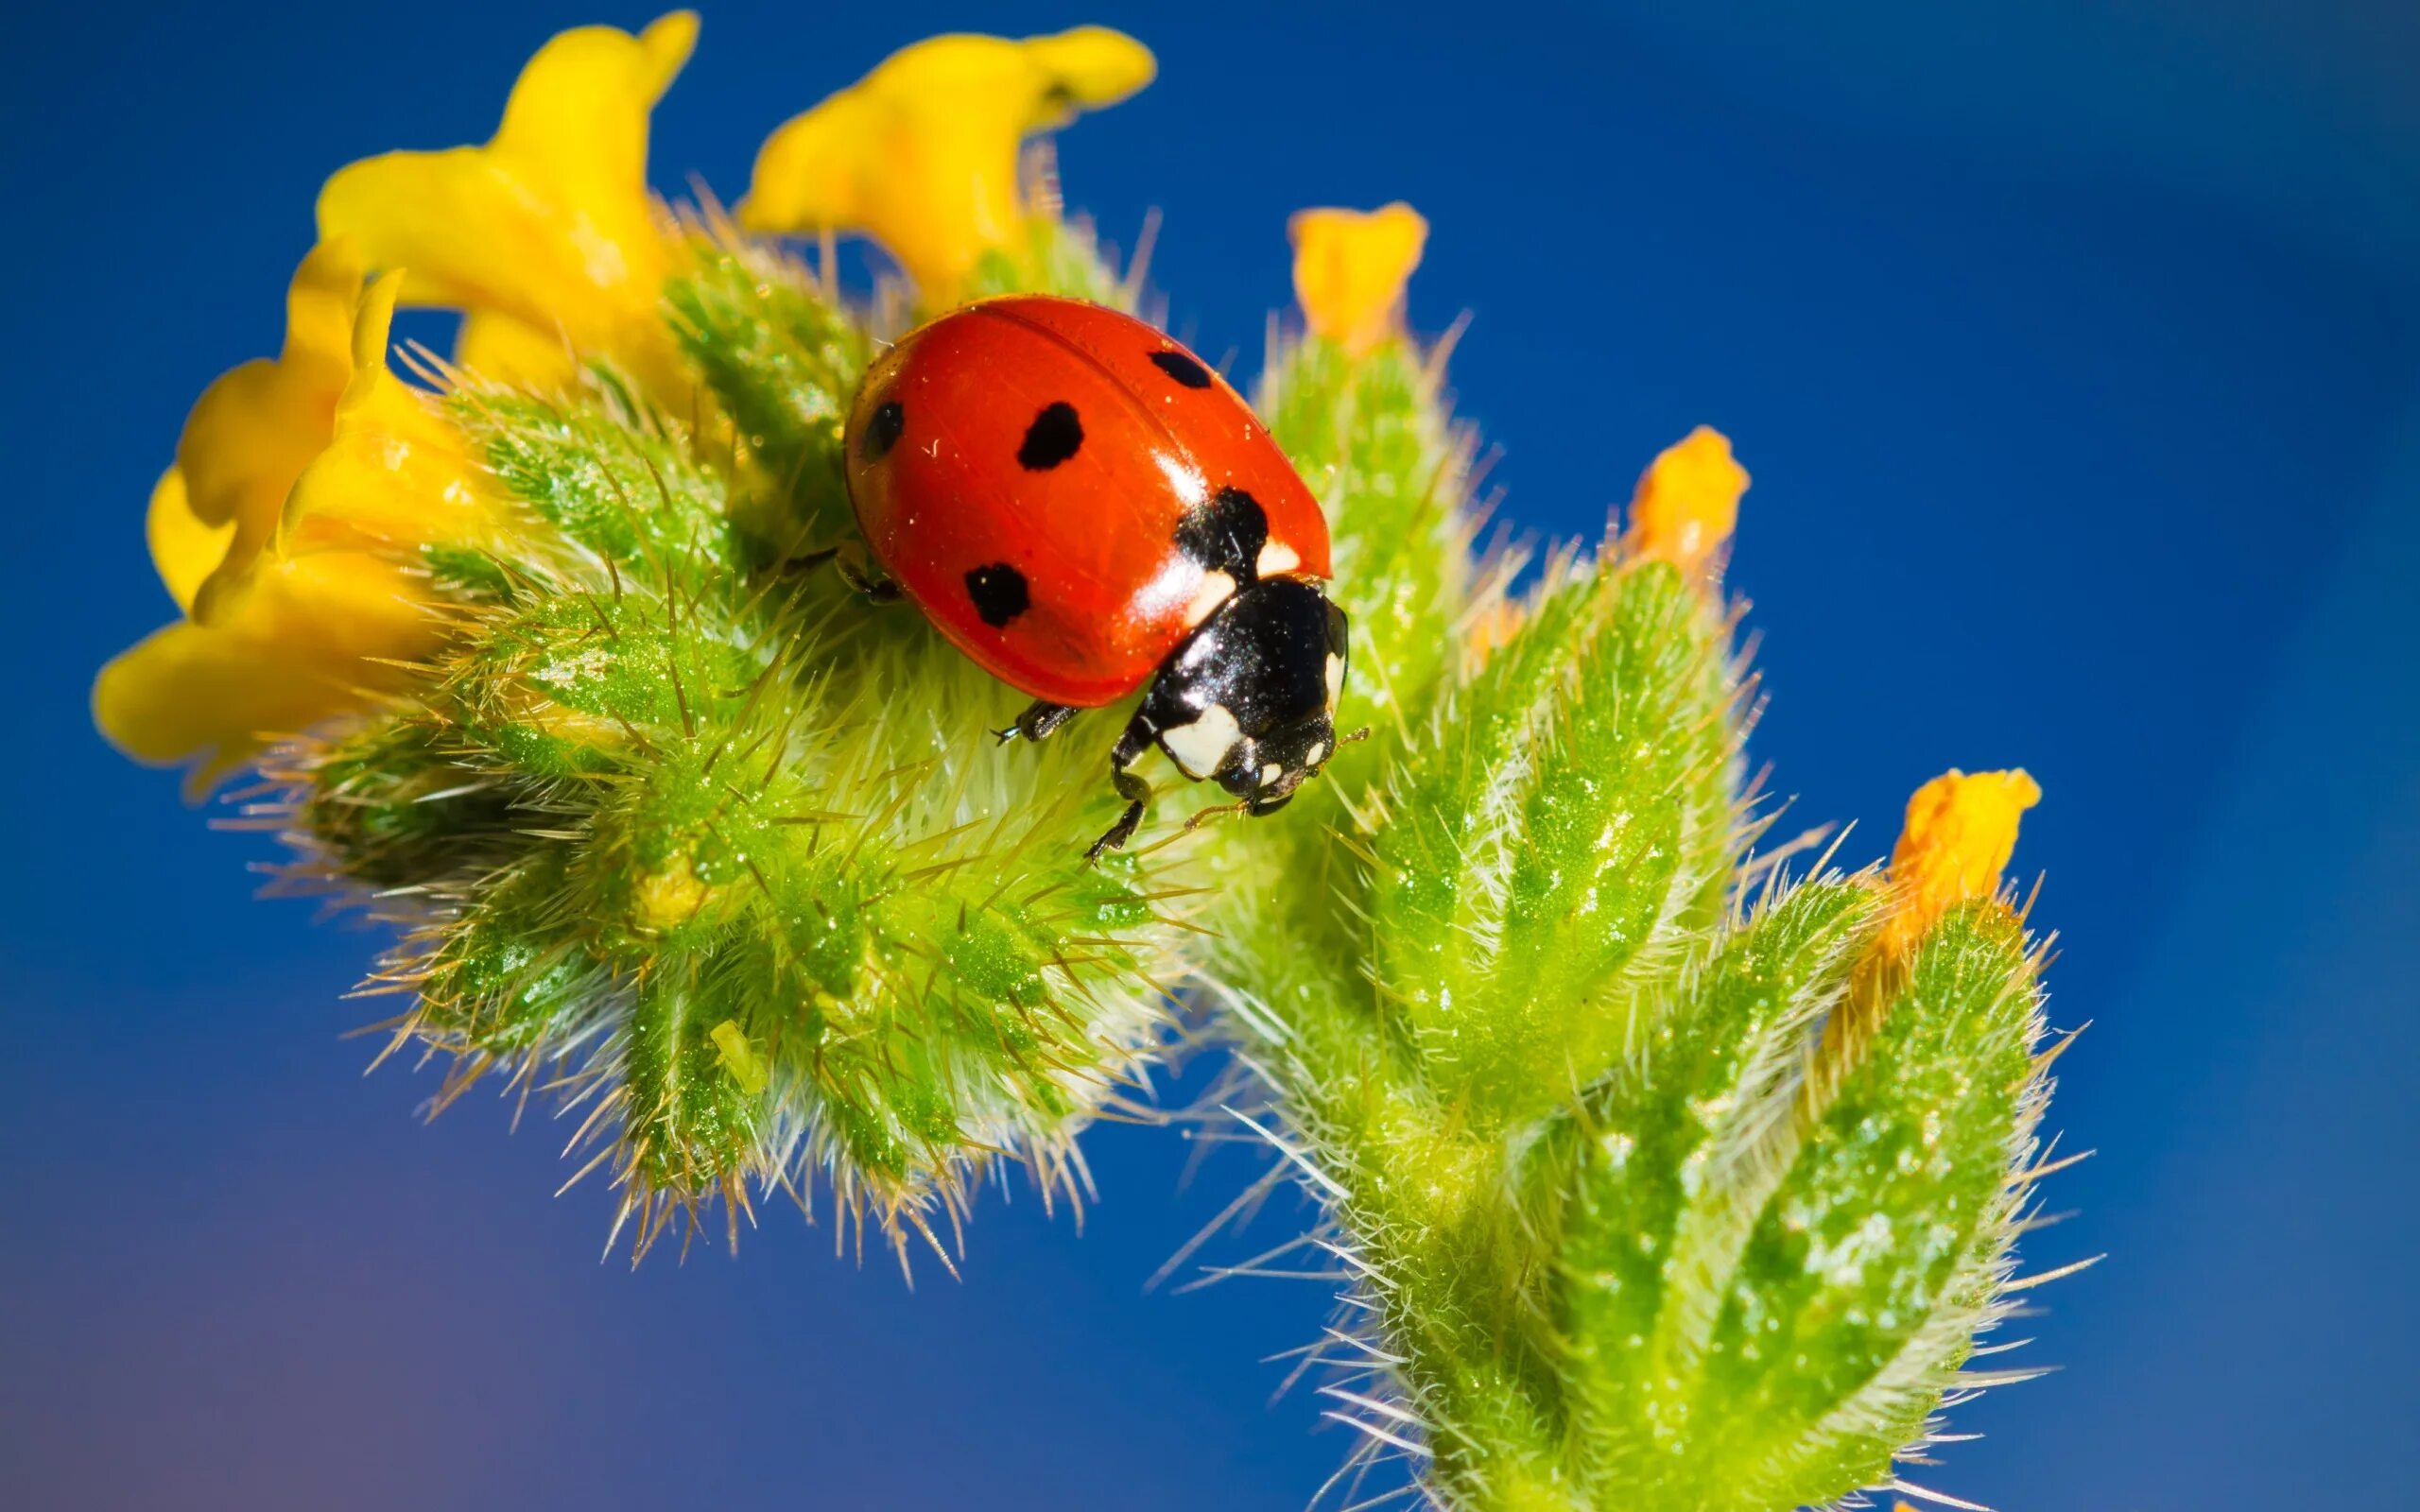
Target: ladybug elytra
{"x": 1083, "y": 507}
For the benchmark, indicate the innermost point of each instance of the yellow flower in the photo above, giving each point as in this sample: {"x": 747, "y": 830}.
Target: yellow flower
{"x": 295, "y": 656}
{"x": 547, "y": 236}
{"x": 1350, "y": 267}
{"x": 922, "y": 153}
{"x": 252, "y": 431}
{"x": 1960, "y": 833}
{"x": 1687, "y": 501}
{"x": 286, "y": 533}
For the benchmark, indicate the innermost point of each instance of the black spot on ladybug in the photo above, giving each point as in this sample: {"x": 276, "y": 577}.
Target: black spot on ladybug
{"x": 1226, "y": 534}
{"x": 882, "y": 431}
{"x": 1183, "y": 369}
{"x": 999, "y": 593}
{"x": 1053, "y": 438}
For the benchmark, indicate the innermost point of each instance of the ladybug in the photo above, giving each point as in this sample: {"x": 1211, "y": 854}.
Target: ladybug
{"x": 1079, "y": 504}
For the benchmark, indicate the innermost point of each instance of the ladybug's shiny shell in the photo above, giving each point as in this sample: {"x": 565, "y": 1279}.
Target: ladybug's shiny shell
{"x": 1067, "y": 493}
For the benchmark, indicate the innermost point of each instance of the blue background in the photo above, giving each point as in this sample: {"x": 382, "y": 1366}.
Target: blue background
{"x": 2072, "y": 349}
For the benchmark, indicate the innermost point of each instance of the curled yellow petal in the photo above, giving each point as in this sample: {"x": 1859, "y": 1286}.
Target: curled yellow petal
{"x": 550, "y": 223}
{"x": 1350, "y": 268}
{"x": 1687, "y": 501}
{"x": 1960, "y": 833}
{"x": 288, "y": 532}
{"x": 922, "y": 153}
{"x": 254, "y": 427}
{"x": 185, "y": 548}
{"x": 395, "y": 471}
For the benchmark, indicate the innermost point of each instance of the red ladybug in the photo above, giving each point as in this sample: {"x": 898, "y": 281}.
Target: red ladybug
{"x": 1083, "y": 507}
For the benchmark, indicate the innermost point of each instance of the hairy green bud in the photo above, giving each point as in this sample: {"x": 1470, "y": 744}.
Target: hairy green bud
{"x": 1609, "y": 1243}
{"x": 708, "y": 838}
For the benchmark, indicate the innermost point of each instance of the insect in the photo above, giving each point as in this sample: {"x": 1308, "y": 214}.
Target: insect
{"x": 1083, "y": 507}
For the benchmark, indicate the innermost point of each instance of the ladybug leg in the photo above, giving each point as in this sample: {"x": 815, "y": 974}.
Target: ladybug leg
{"x": 1040, "y": 718}
{"x": 1136, "y": 792}
{"x": 857, "y": 569}
{"x": 804, "y": 562}
{"x": 850, "y": 562}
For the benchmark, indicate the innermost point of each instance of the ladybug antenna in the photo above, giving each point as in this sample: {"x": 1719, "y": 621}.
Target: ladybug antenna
{"x": 1356, "y": 738}
{"x": 1216, "y": 811}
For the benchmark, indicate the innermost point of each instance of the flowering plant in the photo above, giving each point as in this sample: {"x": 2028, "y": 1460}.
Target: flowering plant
{"x": 1659, "y": 1174}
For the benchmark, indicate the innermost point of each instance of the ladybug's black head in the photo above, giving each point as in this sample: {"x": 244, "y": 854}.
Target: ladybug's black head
{"x": 1249, "y": 700}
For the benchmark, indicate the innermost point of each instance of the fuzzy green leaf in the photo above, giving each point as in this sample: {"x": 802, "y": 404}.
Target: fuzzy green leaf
{"x": 1679, "y": 1154}
{"x": 1543, "y": 841}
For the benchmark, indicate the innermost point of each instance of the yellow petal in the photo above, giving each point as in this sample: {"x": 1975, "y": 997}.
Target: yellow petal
{"x": 320, "y": 307}
{"x": 252, "y": 430}
{"x": 550, "y": 223}
{"x": 248, "y": 438}
{"x": 1350, "y": 268}
{"x": 184, "y": 548}
{"x": 1687, "y": 502}
{"x": 1960, "y": 833}
{"x": 396, "y": 471}
{"x": 922, "y": 153}
{"x": 1087, "y": 67}
{"x": 298, "y": 619}
{"x": 499, "y": 347}
{"x": 383, "y": 467}
{"x": 296, "y": 654}
{"x": 577, "y": 117}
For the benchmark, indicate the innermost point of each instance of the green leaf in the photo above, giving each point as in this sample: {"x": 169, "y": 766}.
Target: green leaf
{"x": 1679, "y": 1153}
{"x": 1545, "y": 839}
{"x": 1873, "y": 1264}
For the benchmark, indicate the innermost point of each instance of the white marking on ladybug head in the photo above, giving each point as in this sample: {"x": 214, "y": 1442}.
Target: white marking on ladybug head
{"x": 1318, "y": 754}
{"x": 1201, "y": 747}
{"x": 1216, "y": 587}
{"x": 1276, "y": 559}
{"x": 1271, "y": 773}
{"x": 1335, "y": 678}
